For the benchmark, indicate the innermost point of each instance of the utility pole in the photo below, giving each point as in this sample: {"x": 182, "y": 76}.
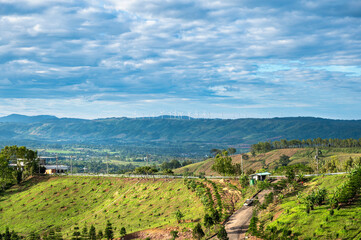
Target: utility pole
{"x": 56, "y": 163}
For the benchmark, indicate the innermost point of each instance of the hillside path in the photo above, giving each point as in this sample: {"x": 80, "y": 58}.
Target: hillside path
{"x": 238, "y": 223}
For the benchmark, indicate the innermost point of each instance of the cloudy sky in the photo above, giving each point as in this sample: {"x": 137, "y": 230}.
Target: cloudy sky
{"x": 205, "y": 58}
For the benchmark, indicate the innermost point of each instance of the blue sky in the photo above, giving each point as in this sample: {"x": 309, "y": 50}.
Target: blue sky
{"x": 230, "y": 59}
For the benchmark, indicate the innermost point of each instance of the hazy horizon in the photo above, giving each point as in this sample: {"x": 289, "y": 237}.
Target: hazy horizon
{"x": 195, "y": 116}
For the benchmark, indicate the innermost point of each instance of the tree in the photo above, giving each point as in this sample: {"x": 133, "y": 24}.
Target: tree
{"x": 198, "y": 231}
{"x": 244, "y": 180}
{"x": 222, "y": 233}
{"x": 7, "y": 234}
{"x": 76, "y": 233}
{"x": 100, "y": 234}
{"x": 84, "y": 232}
{"x": 186, "y": 162}
{"x": 348, "y": 164}
{"x": 174, "y": 234}
{"x": 245, "y": 156}
{"x": 6, "y": 172}
{"x": 253, "y": 153}
{"x": 14, "y": 235}
{"x": 33, "y": 236}
{"x": 26, "y": 160}
{"x": 51, "y": 235}
{"x": 108, "y": 232}
{"x": 231, "y": 150}
{"x": 223, "y": 165}
{"x": 168, "y": 172}
{"x": 123, "y": 232}
{"x": 290, "y": 174}
{"x": 179, "y": 215}
{"x": 284, "y": 160}
{"x": 252, "y": 229}
{"x": 215, "y": 151}
{"x": 92, "y": 233}
{"x": 145, "y": 170}
{"x": 208, "y": 221}
{"x": 216, "y": 216}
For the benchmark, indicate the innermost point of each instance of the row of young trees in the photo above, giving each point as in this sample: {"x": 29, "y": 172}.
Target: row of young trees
{"x": 295, "y": 143}
{"x": 214, "y": 210}
{"x": 84, "y": 234}
{"x": 93, "y": 235}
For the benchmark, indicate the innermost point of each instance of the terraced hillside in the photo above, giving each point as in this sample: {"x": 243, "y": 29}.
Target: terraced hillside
{"x": 270, "y": 159}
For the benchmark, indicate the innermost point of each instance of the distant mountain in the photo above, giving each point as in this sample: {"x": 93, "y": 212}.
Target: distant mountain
{"x": 17, "y": 118}
{"x": 170, "y": 130}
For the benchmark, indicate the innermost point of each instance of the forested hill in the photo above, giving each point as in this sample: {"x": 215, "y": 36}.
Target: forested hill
{"x": 166, "y": 129}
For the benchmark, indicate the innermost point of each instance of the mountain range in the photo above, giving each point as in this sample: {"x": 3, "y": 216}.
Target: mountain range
{"x": 170, "y": 129}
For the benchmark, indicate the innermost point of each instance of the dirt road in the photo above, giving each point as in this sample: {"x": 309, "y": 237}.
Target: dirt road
{"x": 238, "y": 223}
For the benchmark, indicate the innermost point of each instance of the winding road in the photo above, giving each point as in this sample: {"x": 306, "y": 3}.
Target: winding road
{"x": 238, "y": 223}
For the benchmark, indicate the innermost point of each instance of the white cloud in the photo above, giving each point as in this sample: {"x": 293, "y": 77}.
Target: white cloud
{"x": 235, "y": 53}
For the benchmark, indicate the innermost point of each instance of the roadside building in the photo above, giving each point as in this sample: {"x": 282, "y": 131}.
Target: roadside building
{"x": 19, "y": 163}
{"x": 258, "y": 177}
{"x": 52, "y": 169}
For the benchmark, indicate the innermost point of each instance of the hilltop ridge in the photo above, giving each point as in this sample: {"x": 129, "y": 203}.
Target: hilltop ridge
{"x": 165, "y": 129}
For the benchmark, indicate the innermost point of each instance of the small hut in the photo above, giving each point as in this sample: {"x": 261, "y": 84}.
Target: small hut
{"x": 258, "y": 177}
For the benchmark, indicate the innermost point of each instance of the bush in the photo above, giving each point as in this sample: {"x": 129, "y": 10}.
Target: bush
{"x": 222, "y": 233}
{"x": 332, "y": 212}
{"x": 198, "y": 231}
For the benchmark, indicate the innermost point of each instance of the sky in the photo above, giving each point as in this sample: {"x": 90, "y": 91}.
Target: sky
{"x": 202, "y": 58}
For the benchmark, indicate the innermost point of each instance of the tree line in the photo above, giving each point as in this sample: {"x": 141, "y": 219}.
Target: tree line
{"x": 263, "y": 147}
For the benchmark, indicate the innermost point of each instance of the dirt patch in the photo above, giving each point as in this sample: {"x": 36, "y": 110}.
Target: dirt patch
{"x": 157, "y": 233}
{"x": 278, "y": 211}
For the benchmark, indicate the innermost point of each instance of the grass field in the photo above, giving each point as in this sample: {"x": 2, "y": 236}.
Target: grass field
{"x": 44, "y": 203}
{"x": 345, "y": 223}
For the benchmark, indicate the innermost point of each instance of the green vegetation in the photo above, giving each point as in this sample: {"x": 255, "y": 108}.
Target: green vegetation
{"x": 324, "y": 207}
{"x": 330, "y": 159}
{"x": 45, "y": 203}
{"x": 25, "y": 164}
{"x": 198, "y": 232}
{"x": 223, "y": 164}
{"x": 263, "y": 147}
{"x": 163, "y": 136}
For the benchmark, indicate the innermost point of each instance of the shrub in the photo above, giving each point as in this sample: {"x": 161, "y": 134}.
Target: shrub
{"x": 198, "y": 231}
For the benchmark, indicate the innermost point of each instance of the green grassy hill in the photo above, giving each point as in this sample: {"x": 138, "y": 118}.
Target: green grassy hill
{"x": 145, "y": 207}
{"x": 45, "y": 203}
{"x": 290, "y": 213}
{"x": 270, "y": 159}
